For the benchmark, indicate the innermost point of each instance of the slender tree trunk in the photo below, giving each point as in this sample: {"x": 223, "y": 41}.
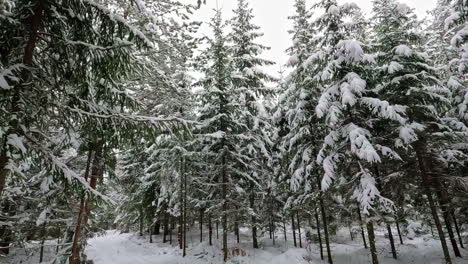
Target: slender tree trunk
{"x": 319, "y": 234}
{"x": 157, "y": 228}
{"x": 392, "y": 242}
{"x": 274, "y": 227}
{"x": 165, "y": 228}
{"x": 399, "y": 232}
{"x": 236, "y": 231}
{"x": 350, "y": 230}
{"x": 201, "y": 225}
{"x": 184, "y": 251}
{"x": 94, "y": 160}
{"x": 299, "y": 229}
{"x": 373, "y": 249}
{"x": 293, "y": 229}
{"x": 420, "y": 151}
{"x": 452, "y": 214}
{"x": 217, "y": 229}
{"x": 170, "y": 229}
{"x": 224, "y": 210}
{"x": 254, "y": 220}
{"x": 444, "y": 204}
{"x": 58, "y": 241}
{"x": 43, "y": 235}
{"x": 210, "y": 230}
{"x": 325, "y": 229}
{"x": 362, "y": 227}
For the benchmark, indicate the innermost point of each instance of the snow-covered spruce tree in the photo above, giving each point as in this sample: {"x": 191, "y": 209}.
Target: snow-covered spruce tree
{"x": 220, "y": 133}
{"x": 408, "y": 78}
{"x": 292, "y": 120}
{"x": 250, "y": 84}
{"x": 349, "y": 108}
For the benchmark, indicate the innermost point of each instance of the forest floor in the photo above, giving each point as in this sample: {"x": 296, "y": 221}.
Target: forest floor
{"x": 114, "y": 247}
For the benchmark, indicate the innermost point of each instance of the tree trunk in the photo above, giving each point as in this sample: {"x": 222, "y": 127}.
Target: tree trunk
{"x": 373, "y": 249}
{"x": 318, "y": 233}
{"x": 43, "y": 236}
{"x": 254, "y": 220}
{"x": 185, "y": 211}
{"x": 217, "y": 229}
{"x": 293, "y": 229}
{"x": 236, "y": 231}
{"x": 224, "y": 210}
{"x": 362, "y": 227}
{"x": 399, "y": 232}
{"x": 157, "y": 228}
{"x": 325, "y": 228}
{"x": 201, "y": 225}
{"x": 392, "y": 242}
{"x": 210, "y": 230}
{"x": 274, "y": 227}
{"x": 94, "y": 164}
{"x": 299, "y": 229}
{"x": 426, "y": 181}
{"x": 444, "y": 203}
{"x": 165, "y": 228}
{"x": 452, "y": 214}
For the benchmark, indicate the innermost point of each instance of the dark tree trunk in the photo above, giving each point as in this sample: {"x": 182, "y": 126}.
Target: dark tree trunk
{"x": 362, "y": 227}
{"x": 224, "y": 210}
{"x": 392, "y": 242}
{"x": 254, "y": 220}
{"x": 157, "y": 228}
{"x": 210, "y": 230}
{"x": 274, "y": 227}
{"x": 217, "y": 229}
{"x": 444, "y": 203}
{"x": 399, "y": 232}
{"x": 184, "y": 229}
{"x": 299, "y": 229}
{"x": 95, "y": 158}
{"x": 43, "y": 236}
{"x": 319, "y": 234}
{"x": 325, "y": 229}
{"x": 426, "y": 181}
{"x": 452, "y": 214}
{"x": 293, "y": 229}
{"x": 201, "y": 225}
{"x": 373, "y": 249}
{"x": 165, "y": 228}
{"x": 236, "y": 231}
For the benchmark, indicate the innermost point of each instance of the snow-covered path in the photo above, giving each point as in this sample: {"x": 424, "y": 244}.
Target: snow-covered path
{"x": 116, "y": 248}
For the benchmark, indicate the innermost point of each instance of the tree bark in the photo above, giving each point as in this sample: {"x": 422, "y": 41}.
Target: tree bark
{"x": 293, "y": 229}
{"x": 201, "y": 225}
{"x": 43, "y": 236}
{"x": 373, "y": 249}
{"x": 399, "y": 232}
{"x": 184, "y": 251}
{"x": 224, "y": 210}
{"x": 210, "y": 230}
{"x": 325, "y": 228}
{"x": 444, "y": 203}
{"x": 452, "y": 214}
{"x": 426, "y": 181}
{"x": 94, "y": 161}
{"x": 392, "y": 242}
{"x": 299, "y": 229}
{"x": 318, "y": 233}
{"x": 362, "y": 227}
{"x": 254, "y": 220}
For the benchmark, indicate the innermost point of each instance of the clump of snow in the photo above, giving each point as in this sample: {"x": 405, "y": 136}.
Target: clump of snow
{"x": 403, "y": 50}
{"x": 350, "y": 50}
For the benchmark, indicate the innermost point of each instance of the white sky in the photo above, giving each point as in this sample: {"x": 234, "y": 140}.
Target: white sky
{"x": 271, "y": 16}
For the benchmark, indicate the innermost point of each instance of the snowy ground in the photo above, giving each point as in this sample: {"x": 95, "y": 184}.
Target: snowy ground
{"x": 117, "y": 248}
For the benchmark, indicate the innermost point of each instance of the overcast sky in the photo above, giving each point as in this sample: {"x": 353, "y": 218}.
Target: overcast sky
{"x": 271, "y": 16}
